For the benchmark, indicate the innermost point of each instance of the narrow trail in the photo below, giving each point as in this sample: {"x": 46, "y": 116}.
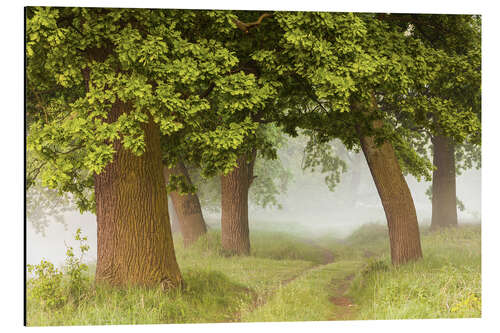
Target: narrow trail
{"x": 344, "y": 309}
{"x": 328, "y": 258}
{"x": 260, "y": 300}
{"x": 343, "y": 306}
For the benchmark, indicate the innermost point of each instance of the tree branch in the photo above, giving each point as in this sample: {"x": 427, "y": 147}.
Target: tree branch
{"x": 245, "y": 27}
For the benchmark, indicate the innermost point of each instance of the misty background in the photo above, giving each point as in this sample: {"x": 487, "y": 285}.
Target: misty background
{"x": 308, "y": 209}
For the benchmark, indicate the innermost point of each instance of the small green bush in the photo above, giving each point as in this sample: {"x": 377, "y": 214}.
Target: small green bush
{"x": 49, "y": 287}
{"x": 45, "y": 287}
{"x": 76, "y": 270}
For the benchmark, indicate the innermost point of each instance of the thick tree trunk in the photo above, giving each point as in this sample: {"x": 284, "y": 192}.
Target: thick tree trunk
{"x": 234, "y": 219}
{"x": 188, "y": 208}
{"x": 134, "y": 241}
{"x": 396, "y": 198}
{"x": 444, "y": 190}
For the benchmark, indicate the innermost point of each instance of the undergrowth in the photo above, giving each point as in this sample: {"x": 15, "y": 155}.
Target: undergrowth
{"x": 446, "y": 283}
{"x": 51, "y": 287}
{"x": 282, "y": 279}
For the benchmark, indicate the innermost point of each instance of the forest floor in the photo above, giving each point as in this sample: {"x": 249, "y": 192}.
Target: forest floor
{"x": 291, "y": 277}
{"x": 289, "y": 301}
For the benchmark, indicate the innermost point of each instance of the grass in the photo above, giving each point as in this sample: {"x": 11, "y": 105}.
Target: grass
{"x": 306, "y": 298}
{"x": 284, "y": 279}
{"x": 445, "y": 284}
{"x": 263, "y": 269}
{"x": 217, "y": 287}
{"x": 369, "y": 240}
{"x": 208, "y": 297}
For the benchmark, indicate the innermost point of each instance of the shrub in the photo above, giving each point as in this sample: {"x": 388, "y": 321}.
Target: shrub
{"x": 46, "y": 285}
{"x": 76, "y": 269}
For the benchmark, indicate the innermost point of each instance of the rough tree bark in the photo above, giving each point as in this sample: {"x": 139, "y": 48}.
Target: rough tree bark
{"x": 187, "y": 207}
{"x": 174, "y": 220}
{"x": 395, "y": 195}
{"x": 134, "y": 241}
{"x": 234, "y": 220}
{"x": 444, "y": 189}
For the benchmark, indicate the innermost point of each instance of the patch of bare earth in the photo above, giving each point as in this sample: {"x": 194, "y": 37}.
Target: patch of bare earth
{"x": 343, "y": 306}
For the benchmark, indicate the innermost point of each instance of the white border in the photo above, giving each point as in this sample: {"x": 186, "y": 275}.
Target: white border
{"x": 11, "y": 303}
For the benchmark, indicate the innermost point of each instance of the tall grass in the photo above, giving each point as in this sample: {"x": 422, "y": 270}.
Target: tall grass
{"x": 446, "y": 283}
{"x": 283, "y": 280}
{"x": 216, "y": 289}
{"x": 208, "y": 297}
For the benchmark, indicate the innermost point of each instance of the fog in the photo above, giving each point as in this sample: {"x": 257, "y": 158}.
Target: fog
{"x": 316, "y": 210}
{"x": 309, "y": 209}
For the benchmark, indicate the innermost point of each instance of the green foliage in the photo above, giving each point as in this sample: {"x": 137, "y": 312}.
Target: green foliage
{"x": 450, "y": 102}
{"x": 45, "y": 286}
{"x": 467, "y": 156}
{"x": 271, "y": 175}
{"x": 211, "y": 90}
{"x": 338, "y": 59}
{"x": 319, "y": 153}
{"x": 272, "y": 180}
{"x": 180, "y": 184}
{"x": 51, "y": 287}
{"x": 76, "y": 270}
{"x": 412, "y": 153}
{"x": 159, "y": 66}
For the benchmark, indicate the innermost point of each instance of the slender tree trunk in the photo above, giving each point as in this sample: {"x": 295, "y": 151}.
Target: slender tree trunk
{"x": 396, "y": 198}
{"x": 188, "y": 208}
{"x": 444, "y": 189}
{"x": 134, "y": 241}
{"x": 174, "y": 220}
{"x": 234, "y": 219}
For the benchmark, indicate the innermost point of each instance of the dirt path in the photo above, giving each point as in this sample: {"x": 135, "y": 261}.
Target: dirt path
{"x": 260, "y": 300}
{"x": 343, "y": 306}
